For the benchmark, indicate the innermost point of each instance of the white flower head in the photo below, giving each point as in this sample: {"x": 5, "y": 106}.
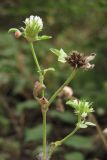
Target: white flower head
{"x": 33, "y": 25}
{"x": 26, "y": 21}
{"x": 39, "y": 21}
{"x": 34, "y": 20}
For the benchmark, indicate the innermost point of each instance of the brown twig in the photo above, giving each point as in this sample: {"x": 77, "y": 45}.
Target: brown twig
{"x": 102, "y": 137}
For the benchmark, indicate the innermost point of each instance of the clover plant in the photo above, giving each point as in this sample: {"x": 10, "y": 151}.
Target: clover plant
{"x": 76, "y": 61}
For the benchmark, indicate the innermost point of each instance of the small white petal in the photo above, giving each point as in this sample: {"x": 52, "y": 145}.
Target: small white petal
{"x": 88, "y": 66}
{"x": 90, "y": 57}
{"x": 81, "y": 125}
{"x": 75, "y": 101}
{"x": 90, "y": 124}
{"x": 84, "y": 115}
{"x": 91, "y": 110}
{"x": 26, "y": 20}
{"x": 39, "y": 21}
{"x": 36, "y": 18}
{"x": 31, "y": 17}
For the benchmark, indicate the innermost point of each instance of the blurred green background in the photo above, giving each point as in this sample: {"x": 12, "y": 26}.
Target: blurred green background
{"x": 74, "y": 25}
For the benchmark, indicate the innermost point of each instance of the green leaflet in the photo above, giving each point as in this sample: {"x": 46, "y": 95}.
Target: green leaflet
{"x": 44, "y": 37}
{"x": 60, "y": 53}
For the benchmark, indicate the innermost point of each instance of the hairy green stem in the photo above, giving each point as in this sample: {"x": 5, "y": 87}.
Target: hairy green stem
{"x": 44, "y": 135}
{"x": 50, "y": 101}
{"x": 41, "y": 78}
{"x": 54, "y": 145}
{"x": 64, "y": 84}
{"x": 36, "y": 62}
{"x": 69, "y": 135}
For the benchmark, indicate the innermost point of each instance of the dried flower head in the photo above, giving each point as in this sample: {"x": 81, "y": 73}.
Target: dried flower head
{"x": 79, "y": 60}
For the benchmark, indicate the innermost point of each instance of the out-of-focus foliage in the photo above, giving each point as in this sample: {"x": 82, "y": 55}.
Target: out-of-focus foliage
{"x": 75, "y": 25}
{"x": 74, "y": 156}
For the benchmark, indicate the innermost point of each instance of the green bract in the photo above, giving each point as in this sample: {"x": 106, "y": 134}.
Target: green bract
{"x": 82, "y": 109}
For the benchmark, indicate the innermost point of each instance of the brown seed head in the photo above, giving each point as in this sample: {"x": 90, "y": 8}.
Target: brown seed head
{"x": 78, "y": 60}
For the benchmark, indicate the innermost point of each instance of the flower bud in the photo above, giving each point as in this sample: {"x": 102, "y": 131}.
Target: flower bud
{"x": 67, "y": 92}
{"x": 18, "y": 34}
{"x": 105, "y": 131}
{"x": 59, "y": 105}
{"x": 38, "y": 88}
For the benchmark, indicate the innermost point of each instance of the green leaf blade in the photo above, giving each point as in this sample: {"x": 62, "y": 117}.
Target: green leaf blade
{"x": 55, "y": 51}
{"x": 12, "y": 30}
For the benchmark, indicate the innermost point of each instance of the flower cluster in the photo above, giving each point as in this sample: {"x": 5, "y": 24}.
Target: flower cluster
{"x": 33, "y": 25}
{"x": 82, "y": 109}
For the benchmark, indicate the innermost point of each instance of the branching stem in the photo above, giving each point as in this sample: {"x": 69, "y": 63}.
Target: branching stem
{"x": 41, "y": 78}
{"x": 64, "y": 84}
{"x": 69, "y": 135}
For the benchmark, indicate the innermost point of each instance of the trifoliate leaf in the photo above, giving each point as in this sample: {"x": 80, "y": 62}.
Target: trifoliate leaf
{"x": 44, "y": 37}
{"x": 90, "y": 124}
